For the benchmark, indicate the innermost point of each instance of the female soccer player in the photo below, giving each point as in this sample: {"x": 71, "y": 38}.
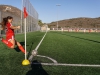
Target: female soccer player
{"x": 10, "y": 36}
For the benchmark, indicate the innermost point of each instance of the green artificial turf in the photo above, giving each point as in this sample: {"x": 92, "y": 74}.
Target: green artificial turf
{"x": 11, "y": 60}
{"x": 69, "y": 48}
{"x": 73, "y": 48}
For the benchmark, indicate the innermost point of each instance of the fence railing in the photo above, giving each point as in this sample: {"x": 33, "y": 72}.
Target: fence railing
{"x": 18, "y": 16}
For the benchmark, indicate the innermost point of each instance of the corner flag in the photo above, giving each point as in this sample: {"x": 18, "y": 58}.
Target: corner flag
{"x": 25, "y": 12}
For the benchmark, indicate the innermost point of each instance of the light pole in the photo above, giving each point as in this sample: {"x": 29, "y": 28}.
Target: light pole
{"x": 57, "y": 14}
{"x": 22, "y": 16}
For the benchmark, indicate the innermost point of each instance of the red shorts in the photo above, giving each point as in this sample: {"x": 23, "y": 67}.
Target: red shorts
{"x": 10, "y": 37}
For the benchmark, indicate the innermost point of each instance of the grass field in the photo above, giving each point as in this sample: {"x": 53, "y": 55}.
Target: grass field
{"x": 70, "y": 48}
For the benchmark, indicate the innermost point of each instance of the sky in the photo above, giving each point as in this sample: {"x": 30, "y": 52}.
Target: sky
{"x": 48, "y": 10}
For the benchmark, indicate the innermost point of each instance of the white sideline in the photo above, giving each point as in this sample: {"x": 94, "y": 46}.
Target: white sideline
{"x": 30, "y": 58}
{"x": 40, "y": 42}
{"x": 64, "y": 64}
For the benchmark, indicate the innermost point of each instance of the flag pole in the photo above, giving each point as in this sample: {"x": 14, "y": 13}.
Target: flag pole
{"x": 25, "y": 38}
{"x": 25, "y": 62}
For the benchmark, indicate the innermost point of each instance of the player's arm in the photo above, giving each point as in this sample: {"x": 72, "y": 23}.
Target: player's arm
{"x": 15, "y": 27}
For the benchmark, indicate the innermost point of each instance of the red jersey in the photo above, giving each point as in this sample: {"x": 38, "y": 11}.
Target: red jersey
{"x": 8, "y": 29}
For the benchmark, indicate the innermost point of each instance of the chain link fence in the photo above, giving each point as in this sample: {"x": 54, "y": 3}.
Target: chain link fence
{"x": 32, "y": 19}
{"x": 18, "y": 17}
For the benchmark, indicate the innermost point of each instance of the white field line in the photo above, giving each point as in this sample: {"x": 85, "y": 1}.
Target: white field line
{"x": 30, "y": 58}
{"x": 64, "y": 64}
{"x": 47, "y": 58}
{"x": 40, "y": 42}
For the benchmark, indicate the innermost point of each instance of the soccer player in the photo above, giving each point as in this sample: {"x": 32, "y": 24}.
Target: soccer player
{"x": 10, "y": 36}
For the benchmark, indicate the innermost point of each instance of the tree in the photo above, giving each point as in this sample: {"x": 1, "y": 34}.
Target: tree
{"x": 40, "y": 23}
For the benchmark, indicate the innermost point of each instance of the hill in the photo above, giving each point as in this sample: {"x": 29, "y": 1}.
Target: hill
{"x": 77, "y": 23}
{"x": 10, "y": 9}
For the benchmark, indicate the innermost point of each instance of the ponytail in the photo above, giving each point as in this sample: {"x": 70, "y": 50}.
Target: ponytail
{"x": 3, "y": 23}
{"x": 5, "y": 20}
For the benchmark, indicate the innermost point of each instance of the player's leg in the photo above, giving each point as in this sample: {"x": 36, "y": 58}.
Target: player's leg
{"x": 8, "y": 43}
{"x": 13, "y": 43}
{"x": 20, "y": 46}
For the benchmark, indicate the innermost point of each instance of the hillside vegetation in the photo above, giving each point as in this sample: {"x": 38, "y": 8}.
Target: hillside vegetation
{"x": 77, "y": 23}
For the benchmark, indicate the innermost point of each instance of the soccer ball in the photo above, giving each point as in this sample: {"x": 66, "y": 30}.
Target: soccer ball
{"x": 34, "y": 52}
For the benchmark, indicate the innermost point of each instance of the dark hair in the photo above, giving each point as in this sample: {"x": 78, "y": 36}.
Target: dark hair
{"x": 5, "y": 20}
